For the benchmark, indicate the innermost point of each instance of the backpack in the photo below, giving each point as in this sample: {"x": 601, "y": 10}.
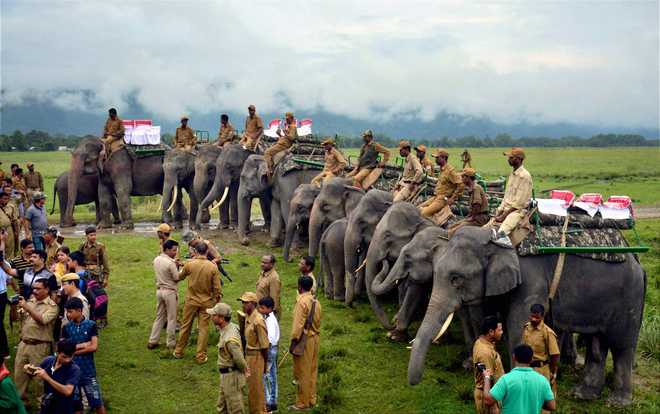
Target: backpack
{"x": 98, "y": 300}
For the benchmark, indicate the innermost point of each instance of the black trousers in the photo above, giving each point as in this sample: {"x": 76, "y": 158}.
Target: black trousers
{"x": 4, "y": 346}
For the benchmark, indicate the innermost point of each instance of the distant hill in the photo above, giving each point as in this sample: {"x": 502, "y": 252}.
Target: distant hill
{"x": 46, "y": 117}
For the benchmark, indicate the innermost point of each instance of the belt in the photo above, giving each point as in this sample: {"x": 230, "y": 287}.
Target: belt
{"x": 226, "y": 370}
{"x": 166, "y": 288}
{"x": 537, "y": 364}
{"x": 34, "y": 341}
{"x": 253, "y": 352}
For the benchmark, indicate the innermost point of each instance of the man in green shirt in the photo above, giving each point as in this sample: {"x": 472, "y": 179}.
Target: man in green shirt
{"x": 522, "y": 390}
{"x": 10, "y": 401}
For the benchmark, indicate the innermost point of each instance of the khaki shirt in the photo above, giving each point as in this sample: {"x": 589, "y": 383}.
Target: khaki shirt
{"x": 8, "y": 215}
{"x": 301, "y": 311}
{"x": 478, "y": 196}
{"x": 449, "y": 183}
{"x": 427, "y": 165}
{"x": 95, "y": 256}
{"x": 19, "y": 183}
{"x": 33, "y": 330}
{"x": 465, "y": 156}
{"x": 290, "y": 135}
{"x": 225, "y": 134}
{"x": 484, "y": 352}
{"x": 230, "y": 350}
{"x": 269, "y": 284}
{"x": 334, "y": 162}
{"x": 518, "y": 190}
{"x": 184, "y": 136}
{"x": 114, "y": 128}
{"x": 204, "y": 284}
{"x": 412, "y": 171}
{"x": 256, "y": 334}
{"x": 253, "y": 125}
{"x": 51, "y": 252}
{"x": 166, "y": 272}
{"x": 542, "y": 340}
{"x": 34, "y": 181}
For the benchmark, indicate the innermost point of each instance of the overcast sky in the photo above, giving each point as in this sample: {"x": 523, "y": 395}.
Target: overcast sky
{"x": 590, "y": 62}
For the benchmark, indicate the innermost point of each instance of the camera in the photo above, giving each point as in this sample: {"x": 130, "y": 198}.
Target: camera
{"x": 14, "y": 299}
{"x": 481, "y": 367}
{"x": 30, "y": 369}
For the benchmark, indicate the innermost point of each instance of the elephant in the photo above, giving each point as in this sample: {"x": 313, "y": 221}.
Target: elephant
{"x": 300, "y": 207}
{"x": 204, "y": 175}
{"x": 87, "y": 193}
{"x": 331, "y": 251}
{"x": 277, "y": 192}
{"x": 397, "y": 227}
{"x": 121, "y": 176}
{"x": 336, "y": 199}
{"x": 602, "y": 300}
{"x": 359, "y": 230}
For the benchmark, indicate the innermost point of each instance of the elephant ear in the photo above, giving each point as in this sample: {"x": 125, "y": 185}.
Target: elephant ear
{"x": 502, "y": 271}
{"x": 352, "y": 197}
{"x": 262, "y": 171}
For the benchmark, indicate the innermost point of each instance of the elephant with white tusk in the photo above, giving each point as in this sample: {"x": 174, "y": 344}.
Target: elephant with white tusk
{"x": 297, "y": 224}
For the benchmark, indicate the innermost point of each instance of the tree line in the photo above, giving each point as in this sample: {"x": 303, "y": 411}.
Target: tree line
{"x": 43, "y": 141}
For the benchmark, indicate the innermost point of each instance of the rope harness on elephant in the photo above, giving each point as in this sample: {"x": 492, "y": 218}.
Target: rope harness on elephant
{"x": 561, "y": 259}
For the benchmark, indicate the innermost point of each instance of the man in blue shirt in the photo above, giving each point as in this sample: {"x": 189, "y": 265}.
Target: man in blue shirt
{"x": 522, "y": 390}
{"x": 84, "y": 334}
{"x": 60, "y": 376}
{"x": 36, "y": 221}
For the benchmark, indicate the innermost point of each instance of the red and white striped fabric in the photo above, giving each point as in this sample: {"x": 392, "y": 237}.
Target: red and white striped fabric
{"x": 567, "y": 196}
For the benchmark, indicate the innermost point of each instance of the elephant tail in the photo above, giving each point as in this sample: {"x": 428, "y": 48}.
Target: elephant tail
{"x": 52, "y": 210}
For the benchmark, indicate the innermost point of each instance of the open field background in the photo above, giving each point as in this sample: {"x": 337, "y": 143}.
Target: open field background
{"x": 360, "y": 370}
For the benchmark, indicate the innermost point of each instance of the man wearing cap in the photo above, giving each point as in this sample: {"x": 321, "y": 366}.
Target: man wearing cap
{"x": 9, "y": 225}
{"x": 70, "y": 282}
{"x": 113, "y": 133}
{"x": 334, "y": 163}
{"x": 466, "y": 158}
{"x": 254, "y": 129}
{"x": 305, "y": 366}
{"x": 448, "y": 189}
{"x": 51, "y": 245}
{"x": 256, "y": 352}
{"x": 96, "y": 258}
{"x": 269, "y": 283}
{"x": 36, "y": 221}
{"x": 185, "y": 136}
{"x": 20, "y": 190}
{"x": 212, "y": 251}
{"x": 167, "y": 299}
{"x": 203, "y": 292}
{"x": 427, "y": 164}
{"x": 517, "y": 195}
{"x": 226, "y": 132}
{"x": 412, "y": 175}
{"x": 231, "y": 363}
{"x": 286, "y": 139}
{"x": 163, "y": 232}
{"x": 368, "y": 159}
{"x": 478, "y": 215}
{"x": 33, "y": 181}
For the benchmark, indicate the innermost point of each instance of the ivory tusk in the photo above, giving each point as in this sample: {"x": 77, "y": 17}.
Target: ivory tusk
{"x": 444, "y": 327}
{"x": 364, "y": 263}
{"x": 160, "y": 205}
{"x": 224, "y": 196}
{"x": 174, "y": 196}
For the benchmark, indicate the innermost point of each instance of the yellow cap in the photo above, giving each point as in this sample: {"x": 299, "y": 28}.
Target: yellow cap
{"x": 404, "y": 144}
{"x": 328, "y": 141}
{"x": 421, "y": 148}
{"x": 29, "y": 164}
{"x": 470, "y": 172}
{"x": 70, "y": 277}
{"x": 289, "y": 114}
{"x": 440, "y": 152}
{"x": 515, "y": 152}
{"x": 249, "y": 297}
{"x": 221, "y": 309}
{"x": 164, "y": 228}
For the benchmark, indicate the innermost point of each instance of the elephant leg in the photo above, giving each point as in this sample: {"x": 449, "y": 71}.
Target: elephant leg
{"x": 265, "y": 202}
{"x": 123, "y": 193}
{"x": 621, "y": 394}
{"x": 338, "y": 276}
{"x": 411, "y": 302}
{"x": 326, "y": 272}
{"x": 594, "y": 369}
{"x": 105, "y": 206}
{"x": 116, "y": 219}
{"x": 276, "y": 224}
{"x": 224, "y": 215}
{"x": 567, "y": 345}
{"x": 166, "y": 201}
{"x": 233, "y": 204}
{"x": 179, "y": 209}
{"x": 63, "y": 201}
{"x": 194, "y": 206}
{"x": 98, "y": 213}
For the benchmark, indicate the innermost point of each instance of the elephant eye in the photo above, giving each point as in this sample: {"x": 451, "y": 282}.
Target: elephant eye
{"x": 456, "y": 280}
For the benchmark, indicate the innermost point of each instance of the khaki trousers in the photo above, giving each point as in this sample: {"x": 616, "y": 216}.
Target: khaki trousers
{"x": 256, "y": 398}
{"x": 322, "y": 178}
{"x": 432, "y": 206}
{"x": 405, "y": 191}
{"x": 360, "y": 176}
{"x": 230, "y": 398}
{"x": 270, "y": 153}
{"x": 481, "y": 406}
{"x": 10, "y": 245}
{"x": 166, "y": 309}
{"x": 29, "y": 354}
{"x": 545, "y": 371}
{"x": 305, "y": 371}
{"x": 510, "y": 222}
{"x": 190, "y": 312}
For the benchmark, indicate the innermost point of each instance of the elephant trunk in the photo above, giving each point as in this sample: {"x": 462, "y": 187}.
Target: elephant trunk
{"x": 291, "y": 228}
{"x": 385, "y": 282}
{"x": 439, "y": 310}
{"x": 75, "y": 171}
{"x": 315, "y": 231}
{"x": 352, "y": 241}
{"x": 375, "y": 301}
{"x": 244, "y": 212}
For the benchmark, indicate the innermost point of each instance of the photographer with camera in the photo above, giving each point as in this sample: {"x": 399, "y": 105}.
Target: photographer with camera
{"x": 486, "y": 358}
{"x": 38, "y": 316}
{"x": 61, "y": 377}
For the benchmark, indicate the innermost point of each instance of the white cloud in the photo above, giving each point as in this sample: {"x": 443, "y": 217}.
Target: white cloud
{"x": 579, "y": 62}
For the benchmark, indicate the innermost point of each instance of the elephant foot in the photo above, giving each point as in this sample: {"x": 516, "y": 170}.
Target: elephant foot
{"x": 339, "y": 298}
{"x": 223, "y": 227}
{"x": 177, "y": 225}
{"x": 67, "y": 224}
{"x": 584, "y": 392}
{"x": 620, "y": 399}
{"x": 245, "y": 241}
{"x": 206, "y": 217}
{"x": 128, "y": 226}
{"x": 274, "y": 243}
{"x": 104, "y": 225}
{"x": 398, "y": 336}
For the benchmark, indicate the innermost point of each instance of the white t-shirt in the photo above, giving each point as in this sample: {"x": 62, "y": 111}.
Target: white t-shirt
{"x": 273, "y": 328}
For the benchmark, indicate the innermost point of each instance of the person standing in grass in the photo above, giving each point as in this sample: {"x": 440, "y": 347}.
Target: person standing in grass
{"x": 167, "y": 277}
{"x": 306, "y": 267}
{"x": 265, "y": 308}
{"x": 269, "y": 283}
{"x": 256, "y": 352}
{"x": 96, "y": 258}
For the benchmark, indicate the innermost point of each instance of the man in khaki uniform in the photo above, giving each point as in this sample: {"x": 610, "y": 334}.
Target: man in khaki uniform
{"x": 113, "y": 134}
{"x": 269, "y": 283}
{"x": 50, "y": 246}
{"x": 306, "y": 267}
{"x": 9, "y": 224}
{"x": 427, "y": 164}
{"x": 448, "y": 189}
{"x": 18, "y": 181}
{"x": 466, "y": 158}
{"x": 203, "y": 292}
{"x": 96, "y": 258}
{"x": 305, "y": 366}
{"x": 185, "y": 136}
{"x": 167, "y": 297}
{"x": 231, "y": 363}
{"x": 256, "y": 352}
{"x": 254, "y": 129}
{"x": 334, "y": 163}
{"x": 543, "y": 341}
{"x": 517, "y": 195}
{"x": 38, "y": 315}
{"x": 478, "y": 215}
{"x": 34, "y": 181}
{"x": 286, "y": 139}
{"x": 483, "y": 352}
{"x": 412, "y": 174}
{"x": 226, "y": 132}
{"x": 163, "y": 232}
{"x": 368, "y": 159}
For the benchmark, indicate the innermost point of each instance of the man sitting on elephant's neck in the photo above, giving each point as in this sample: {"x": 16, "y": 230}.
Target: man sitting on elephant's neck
{"x": 113, "y": 134}
{"x": 226, "y": 133}
{"x": 517, "y": 195}
{"x": 185, "y": 136}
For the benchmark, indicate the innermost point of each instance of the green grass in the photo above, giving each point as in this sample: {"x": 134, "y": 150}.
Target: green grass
{"x": 360, "y": 371}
